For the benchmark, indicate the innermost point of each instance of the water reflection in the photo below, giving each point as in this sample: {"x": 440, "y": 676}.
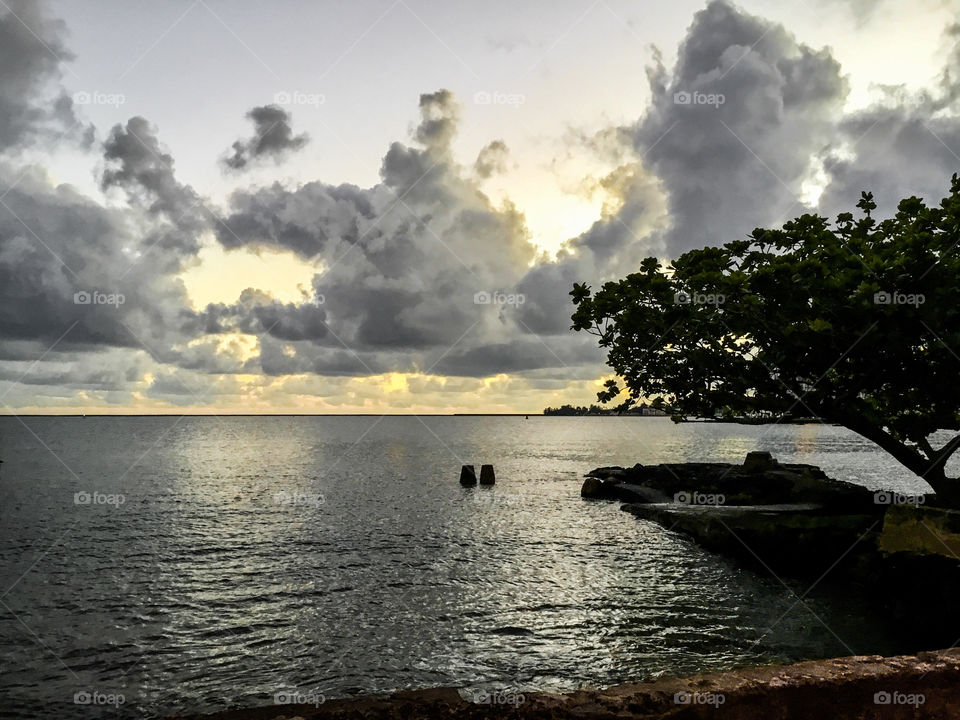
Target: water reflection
{"x": 204, "y": 591}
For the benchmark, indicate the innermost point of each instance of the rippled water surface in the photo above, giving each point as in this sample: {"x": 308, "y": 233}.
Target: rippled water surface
{"x": 200, "y": 590}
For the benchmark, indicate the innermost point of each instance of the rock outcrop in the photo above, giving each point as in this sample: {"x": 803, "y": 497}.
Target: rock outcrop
{"x": 900, "y": 552}
{"x": 793, "y": 540}
{"x": 760, "y": 480}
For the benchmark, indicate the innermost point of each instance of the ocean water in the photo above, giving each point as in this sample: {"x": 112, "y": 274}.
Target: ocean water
{"x": 154, "y": 565}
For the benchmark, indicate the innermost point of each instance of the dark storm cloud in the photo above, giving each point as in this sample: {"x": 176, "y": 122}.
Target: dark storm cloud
{"x": 88, "y": 278}
{"x": 137, "y": 163}
{"x": 726, "y": 142}
{"x": 546, "y": 289}
{"x": 55, "y": 243}
{"x": 83, "y": 283}
{"x": 276, "y": 359}
{"x": 522, "y": 354}
{"x": 32, "y": 51}
{"x": 407, "y": 269}
{"x": 272, "y": 138}
{"x": 80, "y": 370}
{"x": 400, "y": 262}
{"x": 897, "y": 154}
{"x": 906, "y": 145}
{"x": 257, "y": 313}
{"x": 733, "y": 128}
{"x": 440, "y": 115}
{"x": 304, "y": 221}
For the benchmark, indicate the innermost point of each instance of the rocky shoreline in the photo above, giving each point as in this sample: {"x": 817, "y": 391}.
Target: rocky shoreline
{"x": 790, "y": 518}
{"x": 926, "y": 685}
{"x": 902, "y": 552}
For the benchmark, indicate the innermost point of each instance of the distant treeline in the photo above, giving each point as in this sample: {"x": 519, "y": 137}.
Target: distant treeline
{"x": 640, "y": 409}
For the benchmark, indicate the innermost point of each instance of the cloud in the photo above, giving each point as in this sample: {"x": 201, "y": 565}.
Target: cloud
{"x": 421, "y": 272}
{"x": 32, "y": 52}
{"x": 81, "y": 275}
{"x": 492, "y": 159}
{"x": 724, "y": 147}
{"x": 439, "y": 117}
{"x": 743, "y": 120}
{"x": 402, "y": 261}
{"x": 908, "y": 145}
{"x": 82, "y": 281}
{"x": 137, "y": 163}
{"x": 272, "y": 138}
{"x": 734, "y": 126}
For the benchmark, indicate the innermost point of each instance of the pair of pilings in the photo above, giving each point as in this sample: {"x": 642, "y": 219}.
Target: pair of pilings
{"x": 468, "y": 476}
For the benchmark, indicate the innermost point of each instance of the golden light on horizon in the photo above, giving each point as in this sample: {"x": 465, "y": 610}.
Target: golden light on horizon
{"x": 220, "y": 275}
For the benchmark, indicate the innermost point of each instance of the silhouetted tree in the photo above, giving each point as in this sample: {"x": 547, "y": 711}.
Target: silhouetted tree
{"x": 856, "y": 322}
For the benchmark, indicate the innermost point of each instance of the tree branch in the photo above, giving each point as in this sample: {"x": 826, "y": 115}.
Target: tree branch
{"x": 907, "y": 456}
{"x": 944, "y": 453}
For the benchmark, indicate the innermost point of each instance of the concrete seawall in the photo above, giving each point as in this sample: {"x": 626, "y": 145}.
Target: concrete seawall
{"x": 926, "y": 685}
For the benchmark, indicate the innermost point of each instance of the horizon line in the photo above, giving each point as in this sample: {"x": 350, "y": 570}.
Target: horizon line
{"x": 481, "y": 414}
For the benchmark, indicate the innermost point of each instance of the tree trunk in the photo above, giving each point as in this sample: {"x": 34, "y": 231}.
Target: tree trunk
{"x": 931, "y": 471}
{"x": 947, "y": 489}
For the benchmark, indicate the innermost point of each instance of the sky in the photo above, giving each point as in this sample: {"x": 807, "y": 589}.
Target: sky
{"x": 240, "y": 206}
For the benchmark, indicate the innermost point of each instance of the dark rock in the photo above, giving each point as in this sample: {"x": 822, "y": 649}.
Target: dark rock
{"x": 759, "y": 461}
{"x": 613, "y": 472}
{"x": 468, "y": 476}
{"x": 916, "y": 575}
{"x": 631, "y": 493}
{"x": 511, "y": 630}
{"x": 785, "y": 484}
{"x": 795, "y": 539}
{"x": 487, "y": 476}
{"x": 592, "y": 488}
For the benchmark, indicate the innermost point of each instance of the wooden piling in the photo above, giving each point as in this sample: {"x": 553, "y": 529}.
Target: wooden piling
{"x": 468, "y": 476}
{"x": 487, "y": 476}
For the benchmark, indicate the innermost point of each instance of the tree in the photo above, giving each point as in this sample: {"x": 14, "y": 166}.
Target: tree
{"x": 856, "y": 322}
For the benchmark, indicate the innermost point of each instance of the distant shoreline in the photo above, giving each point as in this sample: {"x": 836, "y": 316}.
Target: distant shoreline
{"x": 738, "y": 421}
{"x": 373, "y": 415}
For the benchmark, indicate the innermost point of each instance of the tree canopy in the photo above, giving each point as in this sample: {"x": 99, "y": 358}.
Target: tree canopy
{"x": 856, "y": 322}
